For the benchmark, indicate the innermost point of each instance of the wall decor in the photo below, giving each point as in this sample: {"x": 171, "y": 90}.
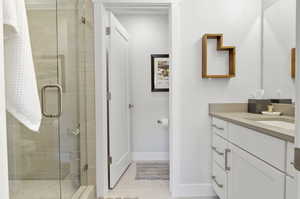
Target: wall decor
{"x": 220, "y": 47}
{"x": 160, "y": 70}
{"x": 293, "y": 63}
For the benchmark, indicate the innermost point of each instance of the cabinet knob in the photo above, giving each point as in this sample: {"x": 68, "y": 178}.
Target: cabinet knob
{"x": 214, "y": 178}
{"x": 216, "y": 150}
{"x": 219, "y": 128}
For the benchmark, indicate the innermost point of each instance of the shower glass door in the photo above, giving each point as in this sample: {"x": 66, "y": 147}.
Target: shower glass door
{"x": 47, "y": 164}
{"x": 70, "y": 77}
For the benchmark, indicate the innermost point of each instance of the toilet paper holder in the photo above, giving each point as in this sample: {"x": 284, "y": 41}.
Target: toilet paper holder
{"x": 163, "y": 122}
{"x": 159, "y": 122}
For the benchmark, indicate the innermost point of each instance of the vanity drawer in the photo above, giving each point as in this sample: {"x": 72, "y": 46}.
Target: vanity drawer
{"x": 269, "y": 149}
{"x": 219, "y": 181}
{"x": 219, "y": 127}
{"x": 219, "y": 146}
{"x": 290, "y": 169}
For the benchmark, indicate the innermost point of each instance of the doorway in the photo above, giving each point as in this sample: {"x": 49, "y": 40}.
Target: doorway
{"x": 137, "y": 113}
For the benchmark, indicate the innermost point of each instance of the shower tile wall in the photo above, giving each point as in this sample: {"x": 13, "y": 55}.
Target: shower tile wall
{"x": 31, "y": 154}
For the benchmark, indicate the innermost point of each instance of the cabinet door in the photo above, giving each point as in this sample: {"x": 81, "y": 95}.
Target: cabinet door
{"x": 251, "y": 178}
{"x": 291, "y": 188}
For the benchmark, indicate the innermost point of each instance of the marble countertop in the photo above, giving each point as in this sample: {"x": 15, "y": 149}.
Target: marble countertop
{"x": 250, "y": 121}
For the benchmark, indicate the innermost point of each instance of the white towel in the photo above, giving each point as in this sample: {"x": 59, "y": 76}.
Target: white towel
{"x": 22, "y": 99}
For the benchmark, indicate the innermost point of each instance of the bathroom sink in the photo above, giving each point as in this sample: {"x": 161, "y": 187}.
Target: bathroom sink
{"x": 280, "y": 124}
{"x": 276, "y": 122}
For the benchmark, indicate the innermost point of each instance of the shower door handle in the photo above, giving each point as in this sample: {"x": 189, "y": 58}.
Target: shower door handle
{"x": 59, "y": 100}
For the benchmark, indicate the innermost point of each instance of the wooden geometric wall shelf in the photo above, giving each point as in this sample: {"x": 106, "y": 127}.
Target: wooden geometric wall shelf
{"x": 293, "y": 62}
{"x": 220, "y": 47}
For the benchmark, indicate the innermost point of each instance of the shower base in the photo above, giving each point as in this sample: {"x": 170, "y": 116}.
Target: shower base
{"x": 41, "y": 189}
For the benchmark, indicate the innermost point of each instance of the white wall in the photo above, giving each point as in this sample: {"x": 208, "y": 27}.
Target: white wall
{"x": 278, "y": 40}
{"x": 240, "y": 23}
{"x": 149, "y": 34}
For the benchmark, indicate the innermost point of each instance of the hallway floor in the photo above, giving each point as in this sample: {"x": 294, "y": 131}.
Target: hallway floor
{"x": 129, "y": 187}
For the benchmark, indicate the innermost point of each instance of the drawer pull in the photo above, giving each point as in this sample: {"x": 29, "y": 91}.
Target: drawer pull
{"x": 227, "y": 151}
{"x": 219, "y": 128}
{"x": 215, "y": 180}
{"x": 218, "y": 152}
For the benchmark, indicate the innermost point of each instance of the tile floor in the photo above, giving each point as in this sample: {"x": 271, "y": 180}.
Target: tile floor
{"x": 128, "y": 187}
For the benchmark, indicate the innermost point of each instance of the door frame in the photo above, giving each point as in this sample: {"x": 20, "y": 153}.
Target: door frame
{"x": 101, "y": 85}
{"x": 4, "y": 191}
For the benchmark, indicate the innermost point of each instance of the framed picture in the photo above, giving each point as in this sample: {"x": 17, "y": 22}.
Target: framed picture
{"x": 160, "y": 70}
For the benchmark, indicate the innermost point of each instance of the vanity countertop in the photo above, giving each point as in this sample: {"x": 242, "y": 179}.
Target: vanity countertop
{"x": 250, "y": 120}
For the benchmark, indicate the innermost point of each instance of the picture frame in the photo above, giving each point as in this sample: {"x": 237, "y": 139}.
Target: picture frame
{"x": 160, "y": 71}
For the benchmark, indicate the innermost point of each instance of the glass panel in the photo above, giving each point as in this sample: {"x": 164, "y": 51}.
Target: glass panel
{"x": 87, "y": 73}
{"x": 34, "y": 161}
{"x": 71, "y": 64}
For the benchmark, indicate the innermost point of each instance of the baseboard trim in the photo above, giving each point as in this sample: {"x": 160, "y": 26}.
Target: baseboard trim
{"x": 149, "y": 156}
{"x": 193, "y": 190}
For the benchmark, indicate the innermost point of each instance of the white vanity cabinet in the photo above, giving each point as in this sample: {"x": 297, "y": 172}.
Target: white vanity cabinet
{"x": 248, "y": 164}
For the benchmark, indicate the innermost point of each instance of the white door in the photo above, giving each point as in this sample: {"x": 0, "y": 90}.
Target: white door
{"x": 251, "y": 178}
{"x": 118, "y": 104}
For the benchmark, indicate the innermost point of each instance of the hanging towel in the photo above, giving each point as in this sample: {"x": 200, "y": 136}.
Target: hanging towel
{"x": 22, "y": 99}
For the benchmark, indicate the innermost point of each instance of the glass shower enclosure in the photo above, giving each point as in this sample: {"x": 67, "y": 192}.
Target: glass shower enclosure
{"x": 52, "y": 163}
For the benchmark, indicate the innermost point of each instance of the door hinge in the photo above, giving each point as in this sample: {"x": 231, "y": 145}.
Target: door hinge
{"x": 86, "y": 167}
{"x": 130, "y": 106}
{"x": 108, "y": 30}
{"x": 83, "y": 20}
{"x": 108, "y": 96}
{"x": 109, "y": 160}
